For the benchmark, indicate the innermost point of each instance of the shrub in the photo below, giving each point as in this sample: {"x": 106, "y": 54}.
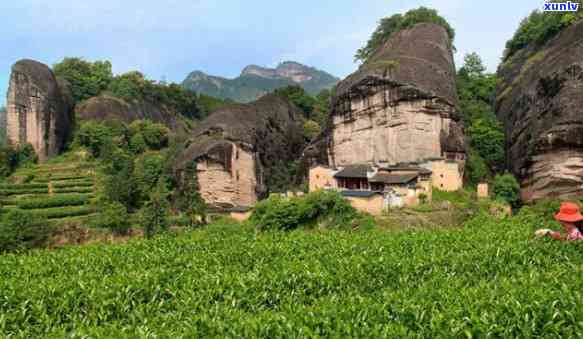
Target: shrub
{"x": 138, "y": 144}
{"x": 155, "y": 212}
{"x": 23, "y": 230}
{"x": 507, "y": 188}
{"x": 114, "y": 217}
{"x": 324, "y": 208}
{"x": 95, "y": 136}
{"x": 64, "y": 212}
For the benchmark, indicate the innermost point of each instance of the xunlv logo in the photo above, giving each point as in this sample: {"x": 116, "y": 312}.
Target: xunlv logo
{"x": 561, "y": 6}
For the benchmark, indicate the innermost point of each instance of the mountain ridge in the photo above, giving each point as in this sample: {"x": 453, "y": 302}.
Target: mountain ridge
{"x": 255, "y": 81}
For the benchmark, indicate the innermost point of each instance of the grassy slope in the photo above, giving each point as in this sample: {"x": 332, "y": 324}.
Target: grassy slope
{"x": 490, "y": 277}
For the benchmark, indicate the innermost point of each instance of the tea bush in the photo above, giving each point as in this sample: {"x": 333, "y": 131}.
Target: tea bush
{"x": 490, "y": 278}
{"x": 22, "y": 230}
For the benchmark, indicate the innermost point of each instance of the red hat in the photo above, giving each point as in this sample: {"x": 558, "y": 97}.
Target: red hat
{"x": 569, "y": 213}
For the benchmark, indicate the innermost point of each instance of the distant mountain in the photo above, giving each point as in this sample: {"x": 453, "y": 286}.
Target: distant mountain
{"x": 256, "y": 81}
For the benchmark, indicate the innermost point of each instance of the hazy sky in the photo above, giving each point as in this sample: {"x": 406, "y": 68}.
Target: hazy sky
{"x": 168, "y": 39}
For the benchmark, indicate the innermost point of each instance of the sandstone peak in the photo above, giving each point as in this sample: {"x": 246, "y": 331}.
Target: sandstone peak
{"x": 39, "y": 108}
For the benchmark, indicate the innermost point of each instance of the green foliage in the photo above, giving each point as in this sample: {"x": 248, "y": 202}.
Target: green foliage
{"x": 57, "y": 201}
{"x": 149, "y": 169}
{"x": 487, "y": 139}
{"x": 476, "y": 168}
{"x": 135, "y": 86}
{"x": 95, "y": 136}
{"x": 476, "y": 91}
{"x": 114, "y": 217}
{"x": 155, "y": 212}
{"x": 23, "y": 230}
{"x": 489, "y": 278}
{"x": 507, "y": 188}
{"x": 120, "y": 184}
{"x": 323, "y": 208}
{"x": 298, "y": 96}
{"x": 87, "y": 79}
{"x": 64, "y": 212}
{"x": 390, "y": 25}
{"x": 208, "y": 104}
{"x": 189, "y": 198}
{"x": 311, "y": 129}
{"x": 282, "y": 176}
{"x": 539, "y": 27}
{"x": 12, "y": 158}
{"x": 155, "y": 135}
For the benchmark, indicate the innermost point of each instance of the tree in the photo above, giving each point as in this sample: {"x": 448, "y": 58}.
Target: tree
{"x": 155, "y": 212}
{"x": 487, "y": 139}
{"x": 298, "y": 96}
{"x": 87, "y": 79}
{"x": 539, "y": 27}
{"x": 311, "y": 129}
{"x": 23, "y": 230}
{"x": 388, "y": 26}
{"x": 476, "y": 91}
{"x": 114, "y": 216}
{"x": 507, "y": 188}
{"x": 473, "y": 66}
{"x": 190, "y": 199}
{"x": 476, "y": 168}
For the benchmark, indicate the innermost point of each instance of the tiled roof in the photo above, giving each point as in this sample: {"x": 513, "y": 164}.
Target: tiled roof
{"x": 420, "y": 170}
{"x": 393, "y": 179}
{"x": 354, "y": 171}
{"x": 359, "y": 194}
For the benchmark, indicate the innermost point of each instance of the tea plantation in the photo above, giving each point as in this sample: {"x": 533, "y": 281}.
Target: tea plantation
{"x": 57, "y": 191}
{"x": 488, "y": 278}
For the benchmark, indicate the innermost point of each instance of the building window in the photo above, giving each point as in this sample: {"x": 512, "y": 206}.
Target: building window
{"x": 317, "y": 177}
{"x": 441, "y": 175}
{"x": 237, "y": 175}
{"x": 441, "y": 185}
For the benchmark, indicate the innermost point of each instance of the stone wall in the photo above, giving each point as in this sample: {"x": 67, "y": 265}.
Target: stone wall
{"x": 400, "y": 106}
{"x": 321, "y": 177}
{"x": 375, "y": 132}
{"x": 540, "y": 101}
{"x": 228, "y": 186}
{"x": 37, "y": 111}
{"x": 372, "y": 205}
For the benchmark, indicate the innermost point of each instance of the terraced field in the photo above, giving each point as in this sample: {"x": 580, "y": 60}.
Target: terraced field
{"x": 60, "y": 192}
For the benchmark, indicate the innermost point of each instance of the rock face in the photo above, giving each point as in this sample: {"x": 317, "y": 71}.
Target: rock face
{"x": 237, "y": 148}
{"x": 256, "y": 81}
{"x": 540, "y": 101}
{"x": 400, "y": 106}
{"x": 39, "y": 109}
{"x": 107, "y": 107}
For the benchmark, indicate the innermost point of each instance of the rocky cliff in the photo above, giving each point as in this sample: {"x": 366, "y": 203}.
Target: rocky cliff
{"x": 400, "y": 106}
{"x": 238, "y": 148}
{"x": 256, "y": 81}
{"x": 540, "y": 101}
{"x": 107, "y": 107}
{"x": 39, "y": 109}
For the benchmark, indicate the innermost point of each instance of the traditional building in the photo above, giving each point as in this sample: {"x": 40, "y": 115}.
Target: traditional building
{"x": 399, "y": 185}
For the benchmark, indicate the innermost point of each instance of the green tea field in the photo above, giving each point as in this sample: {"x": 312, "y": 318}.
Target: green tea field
{"x": 489, "y": 278}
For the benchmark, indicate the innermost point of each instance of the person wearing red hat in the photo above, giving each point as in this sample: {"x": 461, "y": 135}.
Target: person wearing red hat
{"x": 568, "y": 216}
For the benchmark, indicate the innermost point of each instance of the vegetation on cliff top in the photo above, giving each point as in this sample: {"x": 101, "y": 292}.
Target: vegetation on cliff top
{"x": 539, "y": 27}
{"x": 393, "y": 24}
{"x": 89, "y": 79}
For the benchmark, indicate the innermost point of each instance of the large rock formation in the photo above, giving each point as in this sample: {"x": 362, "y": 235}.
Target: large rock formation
{"x": 256, "y": 81}
{"x": 238, "y": 148}
{"x": 540, "y": 100}
{"x": 106, "y": 107}
{"x": 400, "y": 106}
{"x": 39, "y": 109}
